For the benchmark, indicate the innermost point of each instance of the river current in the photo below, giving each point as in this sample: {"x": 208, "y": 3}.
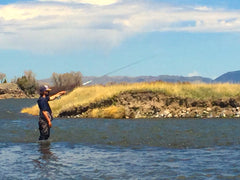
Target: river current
{"x": 117, "y": 148}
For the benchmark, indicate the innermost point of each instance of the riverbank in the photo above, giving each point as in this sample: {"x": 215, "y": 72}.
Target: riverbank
{"x": 154, "y": 105}
{"x": 148, "y": 100}
{"x": 11, "y": 90}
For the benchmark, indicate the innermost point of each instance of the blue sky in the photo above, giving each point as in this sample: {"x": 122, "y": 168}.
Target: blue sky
{"x": 172, "y": 37}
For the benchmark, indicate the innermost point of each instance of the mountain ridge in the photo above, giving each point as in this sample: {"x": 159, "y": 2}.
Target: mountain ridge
{"x": 229, "y": 77}
{"x": 128, "y": 79}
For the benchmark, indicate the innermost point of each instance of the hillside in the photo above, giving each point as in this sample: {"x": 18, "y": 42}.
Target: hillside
{"x": 231, "y": 77}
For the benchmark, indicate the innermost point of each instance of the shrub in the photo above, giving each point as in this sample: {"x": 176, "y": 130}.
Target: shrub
{"x": 28, "y": 83}
{"x": 66, "y": 81}
{"x": 2, "y": 78}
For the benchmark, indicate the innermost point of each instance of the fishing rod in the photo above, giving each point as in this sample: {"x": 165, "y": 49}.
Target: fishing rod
{"x": 124, "y": 67}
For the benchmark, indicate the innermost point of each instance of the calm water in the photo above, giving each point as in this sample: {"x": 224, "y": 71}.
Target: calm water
{"x": 117, "y": 149}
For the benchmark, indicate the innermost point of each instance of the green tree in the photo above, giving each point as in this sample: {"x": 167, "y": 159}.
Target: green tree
{"x": 28, "y": 83}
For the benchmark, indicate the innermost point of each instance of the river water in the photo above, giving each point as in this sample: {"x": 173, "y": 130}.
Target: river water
{"x": 117, "y": 149}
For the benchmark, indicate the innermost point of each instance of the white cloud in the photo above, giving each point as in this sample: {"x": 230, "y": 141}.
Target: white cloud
{"x": 203, "y": 8}
{"x": 194, "y": 73}
{"x": 93, "y": 2}
{"x": 44, "y": 26}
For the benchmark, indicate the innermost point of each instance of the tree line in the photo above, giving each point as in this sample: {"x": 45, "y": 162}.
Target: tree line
{"x": 30, "y": 86}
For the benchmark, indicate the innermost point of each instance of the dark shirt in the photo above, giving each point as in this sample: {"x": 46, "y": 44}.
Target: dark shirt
{"x": 44, "y": 106}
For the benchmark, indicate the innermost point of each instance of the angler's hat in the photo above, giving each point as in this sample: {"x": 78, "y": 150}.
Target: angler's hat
{"x": 44, "y": 88}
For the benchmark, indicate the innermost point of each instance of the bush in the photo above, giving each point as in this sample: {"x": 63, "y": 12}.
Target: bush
{"x": 28, "y": 83}
{"x": 3, "y": 78}
{"x": 66, "y": 81}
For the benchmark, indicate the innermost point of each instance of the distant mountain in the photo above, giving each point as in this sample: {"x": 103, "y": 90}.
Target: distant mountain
{"x": 231, "y": 77}
{"x": 45, "y": 81}
{"x": 167, "y": 78}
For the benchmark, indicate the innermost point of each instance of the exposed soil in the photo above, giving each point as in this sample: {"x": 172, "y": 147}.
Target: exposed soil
{"x": 156, "y": 105}
{"x": 11, "y": 90}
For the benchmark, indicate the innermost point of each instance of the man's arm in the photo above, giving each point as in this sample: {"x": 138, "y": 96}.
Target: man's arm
{"x": 57, "y": 95}
{"x": 45, "y": 113}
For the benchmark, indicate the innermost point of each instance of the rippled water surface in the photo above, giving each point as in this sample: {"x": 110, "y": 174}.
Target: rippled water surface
{"x": 117, "y": 149}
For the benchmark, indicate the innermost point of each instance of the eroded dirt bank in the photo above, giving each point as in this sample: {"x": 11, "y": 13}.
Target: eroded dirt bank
{"x": 11, "y": 90}
{"x": 156, "y": 105}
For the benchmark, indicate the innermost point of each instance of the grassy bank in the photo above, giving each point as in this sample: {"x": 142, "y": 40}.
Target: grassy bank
{"x": 83, "y": 96}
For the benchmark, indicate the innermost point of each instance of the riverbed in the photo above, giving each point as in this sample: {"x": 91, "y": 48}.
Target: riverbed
{"x": 117, "y": 148}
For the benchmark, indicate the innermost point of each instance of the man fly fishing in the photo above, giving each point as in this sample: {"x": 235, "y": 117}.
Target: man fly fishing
{"x": 45, "y": 114}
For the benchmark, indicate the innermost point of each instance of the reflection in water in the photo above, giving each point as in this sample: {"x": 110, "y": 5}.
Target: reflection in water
{"x": 45, "y": 150}
{"x": 47, "y": 160}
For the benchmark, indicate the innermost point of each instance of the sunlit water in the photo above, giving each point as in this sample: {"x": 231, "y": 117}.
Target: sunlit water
{"x": 117, "y": 149}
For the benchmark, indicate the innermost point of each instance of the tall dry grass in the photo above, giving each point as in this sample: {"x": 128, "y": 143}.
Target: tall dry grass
{"x": 115, "y": 112}
{"x": 84, "y": 95}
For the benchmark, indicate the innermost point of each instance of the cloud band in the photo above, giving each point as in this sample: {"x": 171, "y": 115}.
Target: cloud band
{"x": 42, "y": 24}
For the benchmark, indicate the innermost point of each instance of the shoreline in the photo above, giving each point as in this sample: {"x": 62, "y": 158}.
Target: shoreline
{"x": 148, "y": 100}
{"x": 11, "y": 91}
{"x": 138, "y": 105}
